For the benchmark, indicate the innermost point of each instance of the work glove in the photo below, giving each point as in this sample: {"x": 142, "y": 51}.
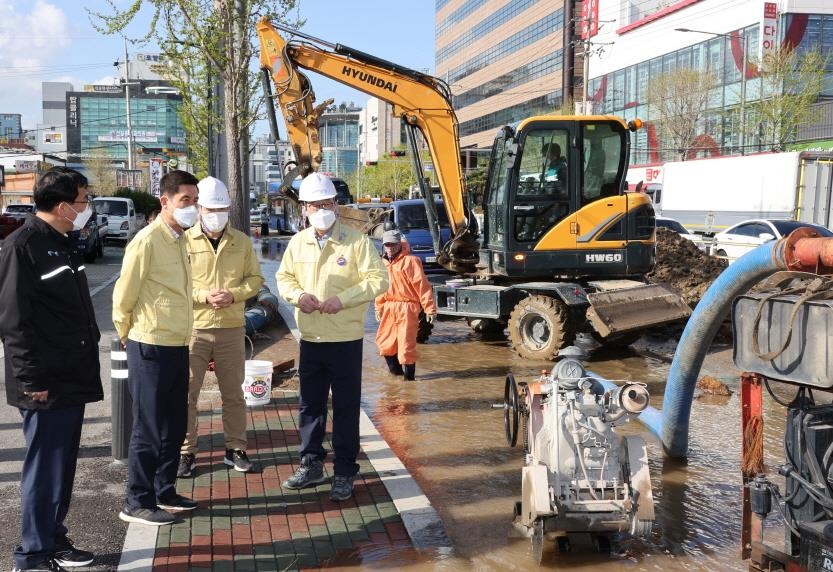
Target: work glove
{"x": 430, "y": 318}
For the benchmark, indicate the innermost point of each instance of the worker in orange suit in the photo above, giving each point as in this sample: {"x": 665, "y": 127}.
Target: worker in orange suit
{"x": 397, "y": 310}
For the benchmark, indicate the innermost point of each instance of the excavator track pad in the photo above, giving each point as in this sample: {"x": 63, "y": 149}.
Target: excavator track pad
{"x": 620, "y": 306}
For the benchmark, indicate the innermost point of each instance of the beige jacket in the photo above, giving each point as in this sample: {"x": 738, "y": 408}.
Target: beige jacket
{"x": 348, "y": 267}
{"x": 152, "y": 297}
{"x": 234, "y": 266}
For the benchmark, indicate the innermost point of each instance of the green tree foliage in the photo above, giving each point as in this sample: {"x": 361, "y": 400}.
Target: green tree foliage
{"x": 678, "y": 102}
{"x": 144, "y": 202}
{"x": 207, "y": 43}
{"x": 790, "y": 84}
{"x": 390, "y": 177}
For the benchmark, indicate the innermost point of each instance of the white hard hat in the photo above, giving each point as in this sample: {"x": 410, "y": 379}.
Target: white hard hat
{"x": 316, "y": 187}
{"x": 213, "y": 194}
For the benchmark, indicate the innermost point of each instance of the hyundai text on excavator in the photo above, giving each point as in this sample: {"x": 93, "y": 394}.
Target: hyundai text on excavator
{"x": 563, "y": 247}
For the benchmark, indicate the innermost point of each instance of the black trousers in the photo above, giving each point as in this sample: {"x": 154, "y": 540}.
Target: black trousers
{"x": 158, "y": 383}
{"x": 322, "y": 367}
{"x": 52, "y": 440}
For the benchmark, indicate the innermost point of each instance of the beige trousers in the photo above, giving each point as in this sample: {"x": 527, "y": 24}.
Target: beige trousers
{"x": 228, "y": 348}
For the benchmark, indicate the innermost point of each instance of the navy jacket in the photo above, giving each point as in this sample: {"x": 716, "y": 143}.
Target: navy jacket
{"x": 47, "y": 322}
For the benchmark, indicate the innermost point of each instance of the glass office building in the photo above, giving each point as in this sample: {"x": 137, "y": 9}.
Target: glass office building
{"x": 339, "y": 135}
{"x": 503, "y": 61}
{"x": 726, "y": 38}
{"x": 97, "y": 124}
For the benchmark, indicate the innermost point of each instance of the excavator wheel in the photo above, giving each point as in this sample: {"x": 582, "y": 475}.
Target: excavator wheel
{"x": 539, "y": 326}
{"x": 424, "y": 329}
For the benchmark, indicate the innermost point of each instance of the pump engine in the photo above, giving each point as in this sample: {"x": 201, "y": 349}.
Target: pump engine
{"x": 579, "y": 475}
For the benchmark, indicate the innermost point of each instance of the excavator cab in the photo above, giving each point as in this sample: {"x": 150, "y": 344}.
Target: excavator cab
{"x": 555, "y": 203}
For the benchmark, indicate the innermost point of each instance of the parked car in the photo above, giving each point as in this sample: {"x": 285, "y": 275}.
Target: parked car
{"x": 742, "y": 237}
{"x": 123, "y": 221}
{"x": 89, "y": 241}
{"x": 410, "y": 218}
{"x": 8, "y": 224}
{"x": 19, "y": 210}
{"x": 676, "y": 226}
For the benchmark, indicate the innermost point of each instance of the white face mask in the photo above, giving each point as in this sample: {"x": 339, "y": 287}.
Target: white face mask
{"x": 186, "y": 217}
{"x": 81, "y": 218}
{"x": 214, "y": 222}
{"x": 322, "y": 219}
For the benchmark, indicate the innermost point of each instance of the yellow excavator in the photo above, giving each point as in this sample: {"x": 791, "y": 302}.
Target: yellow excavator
{"x": 563, "y": 248}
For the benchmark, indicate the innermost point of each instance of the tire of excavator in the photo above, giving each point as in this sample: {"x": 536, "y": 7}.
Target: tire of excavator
{"x": 539, "y": 326}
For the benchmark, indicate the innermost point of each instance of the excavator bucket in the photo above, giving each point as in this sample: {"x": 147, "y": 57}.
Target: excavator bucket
{"x": 363, "y": 220}
{"x": 619, "y": 306}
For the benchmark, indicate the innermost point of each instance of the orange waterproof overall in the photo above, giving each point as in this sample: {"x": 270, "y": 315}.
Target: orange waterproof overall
{"x": 399, "y": 307}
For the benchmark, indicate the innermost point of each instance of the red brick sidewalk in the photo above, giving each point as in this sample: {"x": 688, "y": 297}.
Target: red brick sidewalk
{"x": 248, "y": 522}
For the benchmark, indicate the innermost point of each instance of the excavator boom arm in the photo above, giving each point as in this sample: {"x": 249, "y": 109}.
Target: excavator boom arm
{"x": 420, "y": 99}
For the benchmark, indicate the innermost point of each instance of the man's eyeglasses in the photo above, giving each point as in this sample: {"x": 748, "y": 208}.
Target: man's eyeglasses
{"x": 329, "y": 205}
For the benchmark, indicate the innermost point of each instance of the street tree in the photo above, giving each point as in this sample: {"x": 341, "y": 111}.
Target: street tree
{"x": 790, "y": 83}
{"x": 389, "y": 177}
{"x": 101, "y": 174}
{"x": 205, "y": 42}
{"x": 678, "y": 101}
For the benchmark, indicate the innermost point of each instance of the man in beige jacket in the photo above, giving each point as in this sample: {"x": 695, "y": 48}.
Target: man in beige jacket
{"x": 153, "y": 317}
{"x": 225, "y": 273}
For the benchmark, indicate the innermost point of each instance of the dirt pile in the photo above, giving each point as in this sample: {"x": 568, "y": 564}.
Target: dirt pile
{"x": 684, "y": 267}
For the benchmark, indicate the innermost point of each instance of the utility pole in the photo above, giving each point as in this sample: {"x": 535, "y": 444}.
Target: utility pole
{"x": 585, "y": 56}
{"x": 127, "y": 105}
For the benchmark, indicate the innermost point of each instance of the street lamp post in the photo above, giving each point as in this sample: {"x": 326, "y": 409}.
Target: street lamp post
{"x": 741, "y": 35}
{"x": 127, "y": 104}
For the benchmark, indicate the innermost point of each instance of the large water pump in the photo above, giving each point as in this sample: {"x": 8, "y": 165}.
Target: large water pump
{"x": 579, "y": 476}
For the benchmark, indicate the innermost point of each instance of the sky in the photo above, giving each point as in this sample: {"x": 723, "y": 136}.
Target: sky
{"x": 54, "y": 40}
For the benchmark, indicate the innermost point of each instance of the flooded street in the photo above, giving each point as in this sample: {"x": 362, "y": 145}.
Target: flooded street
{"x": 444, "y": 428}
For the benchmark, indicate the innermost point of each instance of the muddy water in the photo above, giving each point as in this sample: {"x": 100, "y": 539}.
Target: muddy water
{"x": 444, "y": 429}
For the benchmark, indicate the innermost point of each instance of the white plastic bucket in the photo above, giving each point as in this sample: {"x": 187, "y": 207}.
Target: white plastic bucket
{"x": 257, "y": 382}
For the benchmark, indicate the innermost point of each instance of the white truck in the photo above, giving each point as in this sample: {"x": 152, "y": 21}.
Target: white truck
{"x": 710, "y": 195}
{"x": 122, "y": 219}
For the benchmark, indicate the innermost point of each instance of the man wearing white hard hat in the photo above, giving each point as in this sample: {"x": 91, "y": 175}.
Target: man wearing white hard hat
{"x": 330, "y": 273}
{"x": 225, "y": 272}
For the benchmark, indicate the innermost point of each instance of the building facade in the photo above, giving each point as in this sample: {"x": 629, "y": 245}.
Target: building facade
{"x": 11, "y": 127}
{"x": 338, "y": 130}
{"x": 379, "y": 131}
{"x": 98, "y": 123}
{"x": 636, "y": 42}
{"x": 504, "y": 61}
{"x": 51, "y": 135}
